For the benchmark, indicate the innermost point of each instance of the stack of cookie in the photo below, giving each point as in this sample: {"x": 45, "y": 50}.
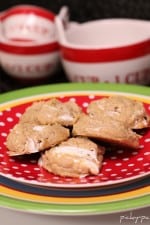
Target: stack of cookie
{"x": 67, "y": 137}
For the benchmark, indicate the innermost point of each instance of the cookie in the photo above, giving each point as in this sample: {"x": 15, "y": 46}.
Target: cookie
{"x": 75, "y": 157}
{"x": 52, "y": 112}
{"x": 107, "y": 130}
{"x": 27, "y": 138}
{"x": 129, "y": 112}
{"x": 31, "y": 113}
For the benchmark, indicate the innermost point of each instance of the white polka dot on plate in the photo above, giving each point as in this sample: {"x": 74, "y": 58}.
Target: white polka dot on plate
{"x": 91, "y": 96}
{"x": 128, "y": 174}
{"x": 124, "y": 170}
{"x": 141, "y": 146}
{"x": 100, "y": 175}
{"x": 36, "y": 169}
{"x": 140, "y": 159}
{"x": 15, "y": 167}
{"x": 9, "y": 119}
{"x": 118, "y": 164}
{"x": 146, "y": 153}
{"x": 60, "y": 181}
{"x": 2, "y": 124}
{"x": 113, "y": 157}
{"x": 141, "y": 172}
{"x": 32, "y": 161}
{"x": 72, "y": 99}
{"x": 125, "y": 159}
{"x": 3, "y": 134}
{"x": 31, "y": 177}
{"x": 18, "y": 173}
{"x": 27, "y": 171}
{"x": 11, "y": 160}
{"x": 40, "y": 175}
{"x": 1, "y": 113}
{"x": 131, "y": 164}
{"x": 108, "y": 169}
{"x": 147, "y": 140}
{"x": 134, "y": 153}
{"x": 6, "y": 169}
{"x": 118, "y": 178}
{"x": 137, "y": 169}
{"x": 68, "y": 179}
{"x": 55, "y": 178}
{"x": 85, "y": 104}
{"x": 113, "y": 175}
{"x": 24, "y": 165}
{"x": 97, "y": 181}
{"x": 4, "y": 163}
{"x": 91, "y": 178}
{"x": 18, "y": 115}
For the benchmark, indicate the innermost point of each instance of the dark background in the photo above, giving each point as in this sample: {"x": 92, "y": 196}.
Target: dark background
{"x": 83, "y": 10}
{"x": 80, "y": 11}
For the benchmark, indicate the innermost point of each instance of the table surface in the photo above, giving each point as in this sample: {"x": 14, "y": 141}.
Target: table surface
{"x": 139, "y": 216}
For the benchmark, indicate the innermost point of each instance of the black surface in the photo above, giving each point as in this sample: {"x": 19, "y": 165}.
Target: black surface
{"x": 7, "y": 83}
{"x": 80, "y": 11}
{"x": 91, "y": 9}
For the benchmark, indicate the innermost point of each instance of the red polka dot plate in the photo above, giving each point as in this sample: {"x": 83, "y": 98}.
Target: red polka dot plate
{"x": 118, "y": 166}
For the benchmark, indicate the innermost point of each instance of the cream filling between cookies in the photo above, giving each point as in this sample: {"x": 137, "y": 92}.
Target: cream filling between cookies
{"x": 89, "y": 157}
{"x": 66, "y": 117}
{"x": 76, "y": 151}
{"x": 38, "y": 128}
{"x": 31, "y": 146}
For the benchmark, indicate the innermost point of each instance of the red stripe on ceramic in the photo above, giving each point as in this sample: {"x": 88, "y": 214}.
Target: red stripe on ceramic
{"x": 29, "y": 50}
{"x": 106, "y": 55}
{"x": 24, "y": 9}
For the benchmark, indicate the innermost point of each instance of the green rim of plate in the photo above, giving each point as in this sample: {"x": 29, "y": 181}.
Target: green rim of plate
{"x": 137, "y": 89}
{"x": 76, "y": 209}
